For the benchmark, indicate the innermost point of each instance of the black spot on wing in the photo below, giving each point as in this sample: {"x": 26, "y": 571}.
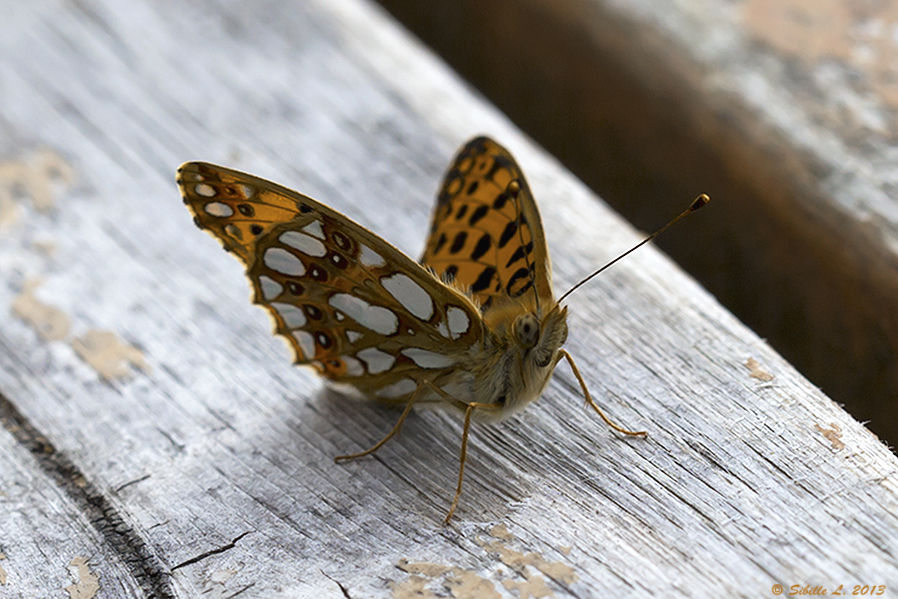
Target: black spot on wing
{"x": 441, "y": 241}
{"x": 323, "y": 340}
{"x": 518, "y": 275}
{"x": 318, "y": 274}
{"x": 510, "y": 229}
{"x": 520, "y": 291}
{"x": 459, "y": 242}
{"x": 483, "y": 281}
{"x": 478, "y": 214}
{"x": 519, "y": 254}
{"x": 482, "y": 247}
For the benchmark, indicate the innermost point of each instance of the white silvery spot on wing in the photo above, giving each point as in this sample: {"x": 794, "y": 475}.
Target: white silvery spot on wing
{"x": 314, "y": 229}
{"x": 397, "y": 389}
{"x": 284, "y": 262}
{"x": 293, "y": 316}
{"x": 458, "y": 321}
{"x": 218, "y": 209}
{"x": 353, "y": 366}
{"x": 443, "y": 329}
{"x": 270, "y": 288}
{"x": 377, "y": 361}
{"x": 353, "y": 336}
{"x": 306, "y": 343}
{"x": 304, "y": 243}
{"x": 369, "y": 257}
{"x": 378, "y": 319}
{"x": 427, "y": 359}
{"x": 408, "y": 293}
{"x": 205, "y": 190}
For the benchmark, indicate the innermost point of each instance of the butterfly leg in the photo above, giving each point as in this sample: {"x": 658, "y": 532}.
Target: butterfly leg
{"x": 463, "y": 457}
{"x": 408, "y": 408}
{"x": 563, "y": 354}
{"x": 469, "y": 411}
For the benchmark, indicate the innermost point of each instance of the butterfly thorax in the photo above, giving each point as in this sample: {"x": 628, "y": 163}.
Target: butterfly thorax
{"x": 520, "y": 351}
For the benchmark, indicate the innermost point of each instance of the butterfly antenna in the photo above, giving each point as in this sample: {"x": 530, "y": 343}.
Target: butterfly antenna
{"x": 697, "y": 203}
{"x": 514, "y": 190}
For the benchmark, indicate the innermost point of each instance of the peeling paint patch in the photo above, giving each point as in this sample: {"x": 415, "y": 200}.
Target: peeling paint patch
{"x": 88, "y": 583}
{"x": 36, "y": 179}
{"x": 424, "y": 568}
{"x": 50, "y": 323}
{"x": 518, "y": 562}
{"x": 465, "y": 583}
{"x": 524, "y": 581}
{"x": 103, "y": 351}
{"x": 757, "y": 372}
{"x": 533, "y": 587}
{"x": 500, "y": 531}
{"x": 413, "y": 588}
{"x": 460, "y": 582}
{"x": 833, "y": 435}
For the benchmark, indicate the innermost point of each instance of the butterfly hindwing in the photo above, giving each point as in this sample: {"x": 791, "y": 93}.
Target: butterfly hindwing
{"x": 484, "y": 234}
{"x": 348, "y": 302}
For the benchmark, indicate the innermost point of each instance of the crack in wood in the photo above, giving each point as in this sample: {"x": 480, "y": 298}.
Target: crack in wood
{"x": 131, "y": 482}
{"x": 135, "y": 553}
{"x": 338, "y": 583}
{"x": 211, "y": 552}
{"x": 246, "y": 588}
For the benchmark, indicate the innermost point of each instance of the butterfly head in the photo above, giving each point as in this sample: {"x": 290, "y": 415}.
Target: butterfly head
{"x": 541, "y": 339}
{"x": 527, "y": 342}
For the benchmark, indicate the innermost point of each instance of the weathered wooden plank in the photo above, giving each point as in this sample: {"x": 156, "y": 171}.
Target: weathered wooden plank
{"x": 215, "y": 457}
{"x": 49, "y": 544}
{"x": 784, "y": 111}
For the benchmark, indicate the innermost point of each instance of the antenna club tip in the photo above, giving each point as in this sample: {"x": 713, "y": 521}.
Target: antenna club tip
{"x": 699, "y": 202}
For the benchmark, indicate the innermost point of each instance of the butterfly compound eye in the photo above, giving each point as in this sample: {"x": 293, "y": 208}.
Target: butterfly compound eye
{"x": 526, "y": 330}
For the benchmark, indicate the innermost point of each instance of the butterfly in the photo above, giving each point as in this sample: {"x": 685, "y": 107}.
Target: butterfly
{"x": 474, "y": 325}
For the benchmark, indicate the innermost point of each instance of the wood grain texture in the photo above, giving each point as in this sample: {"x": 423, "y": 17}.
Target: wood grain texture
{"x": 784, "y": 111}
{"x": 207, "y": 468}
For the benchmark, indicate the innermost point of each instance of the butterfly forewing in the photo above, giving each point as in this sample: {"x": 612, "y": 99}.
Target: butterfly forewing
{"x": 484, "y": 236}
{"x": 235, "y": 207}
{"x": 348, "y": 302}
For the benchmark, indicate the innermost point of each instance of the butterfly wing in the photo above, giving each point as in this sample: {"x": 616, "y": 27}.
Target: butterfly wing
{"x": 349, "y": 303}
{"x": 483, "y": 235}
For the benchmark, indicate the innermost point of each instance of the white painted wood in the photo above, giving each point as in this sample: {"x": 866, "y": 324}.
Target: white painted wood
{"x": 45, "y": 530}
{"x": 213, "y": 457}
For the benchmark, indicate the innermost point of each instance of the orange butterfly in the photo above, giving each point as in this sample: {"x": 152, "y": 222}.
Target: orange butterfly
{"x": 475, "y": 325}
